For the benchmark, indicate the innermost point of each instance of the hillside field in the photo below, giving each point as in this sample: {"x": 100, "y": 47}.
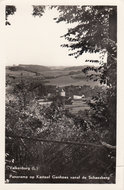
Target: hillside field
{"x": 68, "y": 80}
{"x": 59, "y": 77}
{"x": 77, "y": 106}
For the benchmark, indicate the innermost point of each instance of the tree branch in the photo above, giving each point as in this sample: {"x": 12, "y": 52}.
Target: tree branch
{"x": 64, "y": 142}
{"x": 108, "y": 145}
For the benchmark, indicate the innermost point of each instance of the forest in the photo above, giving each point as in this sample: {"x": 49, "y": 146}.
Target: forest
{"x": 48, "y": 140}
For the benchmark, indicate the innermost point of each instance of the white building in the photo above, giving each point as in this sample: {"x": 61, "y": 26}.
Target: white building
{"x": 76, "y": 97}
{"x": 62, "y": 93}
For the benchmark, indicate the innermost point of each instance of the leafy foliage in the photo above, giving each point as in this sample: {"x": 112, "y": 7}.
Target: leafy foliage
{"x": 93, "y": 33}
{"x": 38, "y": 10}
{"x": 10, "y": 10}
{"x": 52, "y": 123}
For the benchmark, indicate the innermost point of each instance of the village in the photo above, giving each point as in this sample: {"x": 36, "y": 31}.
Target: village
{"x": 62, "y": 93}
{"x": 73, "y": 103}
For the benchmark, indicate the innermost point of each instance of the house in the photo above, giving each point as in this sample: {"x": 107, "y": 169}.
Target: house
{"x": 77, "y": 97}
{"x": 44, "y": 102}
{"x": 62, "y": 93}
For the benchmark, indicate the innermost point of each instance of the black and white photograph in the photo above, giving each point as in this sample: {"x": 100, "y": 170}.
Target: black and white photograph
{"x": 60, "y": 93}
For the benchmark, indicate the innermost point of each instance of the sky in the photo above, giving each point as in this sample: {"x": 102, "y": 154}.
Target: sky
{"x": 34, "y": 40}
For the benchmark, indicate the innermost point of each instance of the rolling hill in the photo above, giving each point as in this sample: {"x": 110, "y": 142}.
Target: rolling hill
{"x": 29, "y": 68}
{"x": 76, "y": 68}
{"x": 52, "y": 76}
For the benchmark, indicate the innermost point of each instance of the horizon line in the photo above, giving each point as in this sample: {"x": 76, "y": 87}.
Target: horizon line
{"x": 87, "y": 64}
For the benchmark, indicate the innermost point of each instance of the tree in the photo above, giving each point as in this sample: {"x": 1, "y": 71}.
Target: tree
{"x": 95, "y": 31}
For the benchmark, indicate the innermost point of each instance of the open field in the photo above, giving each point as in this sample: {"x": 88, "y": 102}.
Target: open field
{"x": 59, "y": 77}
{"x": 68, "y": 80}
{"x": 77, "y": 106}
{"x": 54, "y": 73}
{"x": 18, "y": 73}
